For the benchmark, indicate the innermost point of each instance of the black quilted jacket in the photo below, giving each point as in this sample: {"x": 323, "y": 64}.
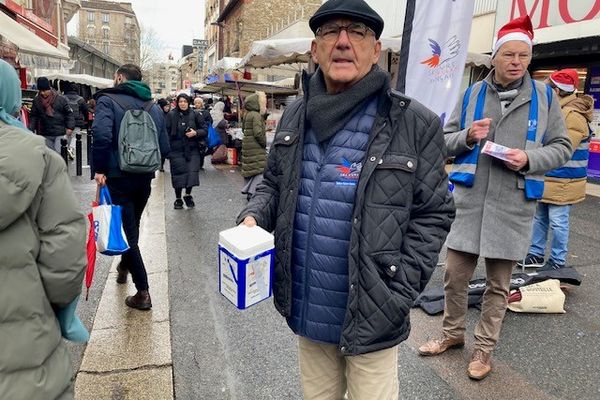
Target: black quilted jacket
{"x": 402, "y": 214}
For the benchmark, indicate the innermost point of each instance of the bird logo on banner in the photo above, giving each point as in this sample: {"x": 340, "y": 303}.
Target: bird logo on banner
{"x": 441, "y": 54}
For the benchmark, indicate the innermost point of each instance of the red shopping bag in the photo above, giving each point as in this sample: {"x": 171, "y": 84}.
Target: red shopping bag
{"x": 91, "y": 256}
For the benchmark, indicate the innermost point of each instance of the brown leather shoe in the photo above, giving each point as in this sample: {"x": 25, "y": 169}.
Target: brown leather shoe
{"x": 438, "y": 346}
{"x": 121, "y": 274}
{"x": 141, "y": 300}
{"x": 480, "y": 365}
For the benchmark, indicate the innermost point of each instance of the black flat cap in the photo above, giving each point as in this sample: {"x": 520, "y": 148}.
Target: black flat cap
{"x": 43, "y": 83}
{"x": 356, "y": 10}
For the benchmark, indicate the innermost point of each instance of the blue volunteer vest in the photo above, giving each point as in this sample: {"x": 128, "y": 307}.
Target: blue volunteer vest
{"x": 576, "y": 167}
{"x": 465, "y": 165}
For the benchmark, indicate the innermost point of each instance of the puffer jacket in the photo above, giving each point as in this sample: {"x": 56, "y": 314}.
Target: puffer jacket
{"x": 402, "y": 214}
{"x": 254, "y": 155}
{"x": 42, "y": 264}
{"x": 559, "y": 189}
{"x": 56, "y": 125}
{"x": 79, "y": 107}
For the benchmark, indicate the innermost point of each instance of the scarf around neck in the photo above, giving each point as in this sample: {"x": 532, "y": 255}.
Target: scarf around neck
{"x": 48, "y": 103}
{"x": 328, "y": 113}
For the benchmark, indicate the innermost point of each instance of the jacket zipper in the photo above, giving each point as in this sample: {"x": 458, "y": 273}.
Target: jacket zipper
{"x": 309, "y": 241}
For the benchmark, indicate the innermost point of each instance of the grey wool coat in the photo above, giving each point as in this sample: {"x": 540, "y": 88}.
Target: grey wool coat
{"x": 42, "y": 264}
{"x": 493, "y": 218}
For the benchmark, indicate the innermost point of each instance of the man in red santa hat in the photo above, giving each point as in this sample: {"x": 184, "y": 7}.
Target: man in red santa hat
{"x": 496, "y": 192}
{"x": 563, "y": 186}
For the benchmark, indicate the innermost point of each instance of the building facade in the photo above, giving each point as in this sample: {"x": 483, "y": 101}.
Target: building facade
{"x": 243, "y": 21}
{"x": 163, "y": 79}
{"x": 89, "y": 60}
{"x": 112, "y": 28}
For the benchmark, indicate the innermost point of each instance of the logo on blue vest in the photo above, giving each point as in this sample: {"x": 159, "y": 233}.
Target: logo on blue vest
{"x": 349, "y": 173}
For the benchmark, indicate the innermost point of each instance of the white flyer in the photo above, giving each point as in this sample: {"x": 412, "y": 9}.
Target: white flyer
{"x": 495, "y": 150}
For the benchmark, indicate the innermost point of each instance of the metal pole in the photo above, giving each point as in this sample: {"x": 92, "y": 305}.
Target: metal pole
{"x": 78, "y": 155}
{"x": 63, "y": 151}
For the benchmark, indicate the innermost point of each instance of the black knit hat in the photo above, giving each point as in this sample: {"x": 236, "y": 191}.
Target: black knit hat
{"x": 356, "y": 10}
{"x": 43, "y": 83}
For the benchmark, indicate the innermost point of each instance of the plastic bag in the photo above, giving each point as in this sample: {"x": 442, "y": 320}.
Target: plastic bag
{"x": 108, "y": 227}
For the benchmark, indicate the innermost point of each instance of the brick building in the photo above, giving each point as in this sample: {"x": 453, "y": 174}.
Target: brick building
{"x": 243, "y": 21}
{"x": 112, "y": 28}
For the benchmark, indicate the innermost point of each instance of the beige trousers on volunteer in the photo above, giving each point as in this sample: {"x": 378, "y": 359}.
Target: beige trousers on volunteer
{"x": 327, "y": 375}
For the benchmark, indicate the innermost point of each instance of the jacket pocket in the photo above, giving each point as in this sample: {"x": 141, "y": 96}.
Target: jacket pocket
{"x": 397, "y": 162}
{"x": 389, "y": 264}
{"x": 391, "y": 184}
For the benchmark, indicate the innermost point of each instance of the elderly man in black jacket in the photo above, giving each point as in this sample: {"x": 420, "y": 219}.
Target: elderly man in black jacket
{"x": 51, "y": 116}
{"x": 357, "y": 196}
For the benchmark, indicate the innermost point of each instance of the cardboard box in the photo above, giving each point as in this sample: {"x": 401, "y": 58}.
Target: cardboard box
{"x": 246, "y": 262}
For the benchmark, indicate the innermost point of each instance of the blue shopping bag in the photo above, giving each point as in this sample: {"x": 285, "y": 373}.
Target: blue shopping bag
{"x": 213, "y": 137}
{"x": 71, "y": 326}
{"x": 108, "y": 226}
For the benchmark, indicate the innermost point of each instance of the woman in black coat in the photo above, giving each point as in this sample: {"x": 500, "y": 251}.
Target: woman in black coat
{"x": 187, "y": 129}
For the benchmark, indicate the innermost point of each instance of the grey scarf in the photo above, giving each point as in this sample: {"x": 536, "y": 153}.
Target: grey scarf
{"x": 327, "y": 113}
{"x": 507, "y": 94}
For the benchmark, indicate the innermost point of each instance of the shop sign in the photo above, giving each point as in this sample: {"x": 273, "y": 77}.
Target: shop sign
{"x": 42, "y": 33}
{"x": 28, "y": 14}
{"x": 553, "y": 19}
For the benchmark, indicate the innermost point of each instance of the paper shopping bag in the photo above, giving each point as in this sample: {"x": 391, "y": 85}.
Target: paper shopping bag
{"x": 108, "y": 227}
{"x": 541, "y": 297}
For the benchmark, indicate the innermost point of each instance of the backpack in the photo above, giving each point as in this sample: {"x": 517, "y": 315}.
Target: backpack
{"x": 74, "y": 104}
{"x": 138, "y": 148}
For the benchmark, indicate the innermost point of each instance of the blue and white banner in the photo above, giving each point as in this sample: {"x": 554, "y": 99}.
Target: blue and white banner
{"x": 434, "y": 51}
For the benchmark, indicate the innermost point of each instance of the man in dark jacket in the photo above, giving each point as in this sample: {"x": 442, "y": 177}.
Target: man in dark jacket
{"x": 51, "y": 116}
{"x": 357, "y": 197}
{"x": 80, "y": 112}
{"x": 130, "y": 191}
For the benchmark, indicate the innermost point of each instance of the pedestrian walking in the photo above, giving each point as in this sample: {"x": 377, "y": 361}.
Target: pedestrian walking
{"x": 495, "y": 199}
{"x": 566, "y": 185}
{"x": 357, "y": 196}
{"x": 128, "y": 190}
{"x": 91, "y": 104}
{"x": 187, "y": 130}
{"x": 165, "y": 106}
{"x": 80, "y": 112}
{"x": 254, "y": 143}
{"x": 42, "y": 256}
{"x": 199, "y": 108}
{"x": 51, "y": 116}
{"x": 219, "y": 122}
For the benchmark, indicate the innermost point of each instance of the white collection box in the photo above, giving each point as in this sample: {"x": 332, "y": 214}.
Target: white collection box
{"x": 246, "y": 260}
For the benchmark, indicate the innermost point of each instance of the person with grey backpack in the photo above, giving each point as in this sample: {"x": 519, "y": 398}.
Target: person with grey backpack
{"x": 129, "y": 139}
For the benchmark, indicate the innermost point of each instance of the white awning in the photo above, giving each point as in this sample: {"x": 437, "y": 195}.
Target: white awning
{"x": 226, "y": 64}
{"x": 268, "y": 53}
{"x": 82, "y": 79}
{"x": 31, "y": 47}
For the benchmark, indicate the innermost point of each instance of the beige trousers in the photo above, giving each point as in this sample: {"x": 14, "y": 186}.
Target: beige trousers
{"x": 459, "y": 271}
{"x": 327, "y": 375}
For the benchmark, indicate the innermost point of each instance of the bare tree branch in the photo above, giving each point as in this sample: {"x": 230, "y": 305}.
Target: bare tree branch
{"x": 150, "y": 48}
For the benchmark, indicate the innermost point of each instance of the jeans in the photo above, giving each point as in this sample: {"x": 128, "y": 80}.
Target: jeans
{"x": 557, "y": 218}
{"x": 132, "y": 195}
{"x": 53, "y": 142}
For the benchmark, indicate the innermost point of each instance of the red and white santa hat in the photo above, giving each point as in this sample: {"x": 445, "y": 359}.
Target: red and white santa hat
{"x": 518, "y": 29}
{"x": 566, "y": 80}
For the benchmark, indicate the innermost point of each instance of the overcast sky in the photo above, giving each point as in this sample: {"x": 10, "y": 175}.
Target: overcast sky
{"x": 176, "y": 22}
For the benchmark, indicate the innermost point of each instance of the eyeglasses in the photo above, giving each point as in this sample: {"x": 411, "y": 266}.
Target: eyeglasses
{"x": 356, "y": 32}
{"x": 509, "y": 57}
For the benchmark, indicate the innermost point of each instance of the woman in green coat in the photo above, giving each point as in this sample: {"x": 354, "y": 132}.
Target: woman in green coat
{"x": 42, "y": 257}
{"x": 254, "y": 154}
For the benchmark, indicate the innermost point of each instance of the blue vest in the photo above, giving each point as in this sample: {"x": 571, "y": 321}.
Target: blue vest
{"x": 465, "y": 165}
{"x": 322, "y": 228}
{"x": 576, "y": 167}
